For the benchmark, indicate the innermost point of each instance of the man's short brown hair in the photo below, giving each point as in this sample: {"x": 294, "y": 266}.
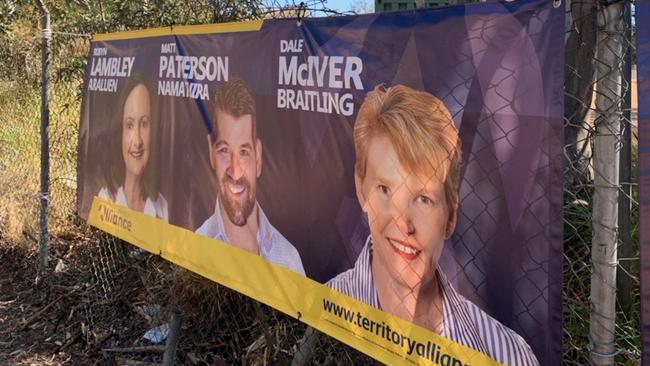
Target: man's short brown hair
{"x": 420, "y": 128}
{"x": 234, "y": 98}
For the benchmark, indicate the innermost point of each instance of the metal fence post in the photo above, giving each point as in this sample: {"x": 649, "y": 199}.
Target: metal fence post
{"x": 306, "y": 348}
{"x": 172, "y": 339}
{"x": 46, "y": 36}
{"x": 625, "y": 251}
{"x": 609, "y": 66}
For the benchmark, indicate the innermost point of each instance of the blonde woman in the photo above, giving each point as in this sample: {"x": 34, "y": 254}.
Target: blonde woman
{"x": 407, "y": 175}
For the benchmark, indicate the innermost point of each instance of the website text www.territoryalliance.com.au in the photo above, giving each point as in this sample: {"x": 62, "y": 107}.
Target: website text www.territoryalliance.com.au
{"x": 430, "y": 350}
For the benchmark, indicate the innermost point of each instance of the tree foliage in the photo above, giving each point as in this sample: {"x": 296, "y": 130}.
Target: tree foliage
{"x": 73, "y": 21}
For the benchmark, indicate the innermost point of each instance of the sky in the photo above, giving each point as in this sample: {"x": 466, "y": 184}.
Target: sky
{"x": 341, "y": 5}
{"x": 346, "y": 5}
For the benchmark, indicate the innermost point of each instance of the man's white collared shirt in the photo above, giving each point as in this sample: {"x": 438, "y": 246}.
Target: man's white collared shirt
{"x": 273, "y": 246}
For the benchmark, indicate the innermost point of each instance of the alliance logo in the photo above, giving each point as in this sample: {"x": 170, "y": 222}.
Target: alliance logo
{"x": 106, "y": 214}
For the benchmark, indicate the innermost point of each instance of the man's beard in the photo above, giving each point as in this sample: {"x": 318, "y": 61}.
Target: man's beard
{"x": 238, "y": 213}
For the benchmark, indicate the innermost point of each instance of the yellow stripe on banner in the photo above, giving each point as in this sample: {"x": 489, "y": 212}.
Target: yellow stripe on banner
{"x": 247, "y": 26}
{"x": 134, "y": 227}
{"x": 381, "y": 336}
{"x": 253, "y": 25}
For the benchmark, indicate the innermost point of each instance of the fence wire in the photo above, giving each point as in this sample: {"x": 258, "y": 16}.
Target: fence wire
{"x": 600, "y": 104}
{"x": 120, "y": 293}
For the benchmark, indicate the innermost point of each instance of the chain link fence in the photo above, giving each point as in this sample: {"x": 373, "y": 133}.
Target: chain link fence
{"x": 601, "y": 143}
{"x": 106, "y": 295}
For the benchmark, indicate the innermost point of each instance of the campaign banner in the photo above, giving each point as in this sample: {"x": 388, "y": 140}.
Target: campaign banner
{"x": 643, "y": 90}
{"x": 393, "y": 180}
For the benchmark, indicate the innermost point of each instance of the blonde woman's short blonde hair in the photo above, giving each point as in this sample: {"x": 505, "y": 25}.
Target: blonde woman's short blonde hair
{"x": 421, "y": 130}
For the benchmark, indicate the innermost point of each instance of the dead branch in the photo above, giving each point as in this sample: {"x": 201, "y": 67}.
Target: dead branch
{"x": 156, "y": 349}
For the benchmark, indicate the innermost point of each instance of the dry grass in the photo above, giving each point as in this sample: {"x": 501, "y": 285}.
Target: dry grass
{"x": 19, "y": 161}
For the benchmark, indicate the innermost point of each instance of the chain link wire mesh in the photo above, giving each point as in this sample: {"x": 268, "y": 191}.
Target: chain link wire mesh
{"x": 598, "y": 86}
{"x": 113, "y": 294}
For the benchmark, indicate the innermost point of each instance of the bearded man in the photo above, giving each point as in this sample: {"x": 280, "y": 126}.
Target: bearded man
{"x": 236, "y": 159}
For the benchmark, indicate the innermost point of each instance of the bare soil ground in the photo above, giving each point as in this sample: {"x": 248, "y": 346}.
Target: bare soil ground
{"x": 105, "y": 295}
{"x": 64, "y": 319}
